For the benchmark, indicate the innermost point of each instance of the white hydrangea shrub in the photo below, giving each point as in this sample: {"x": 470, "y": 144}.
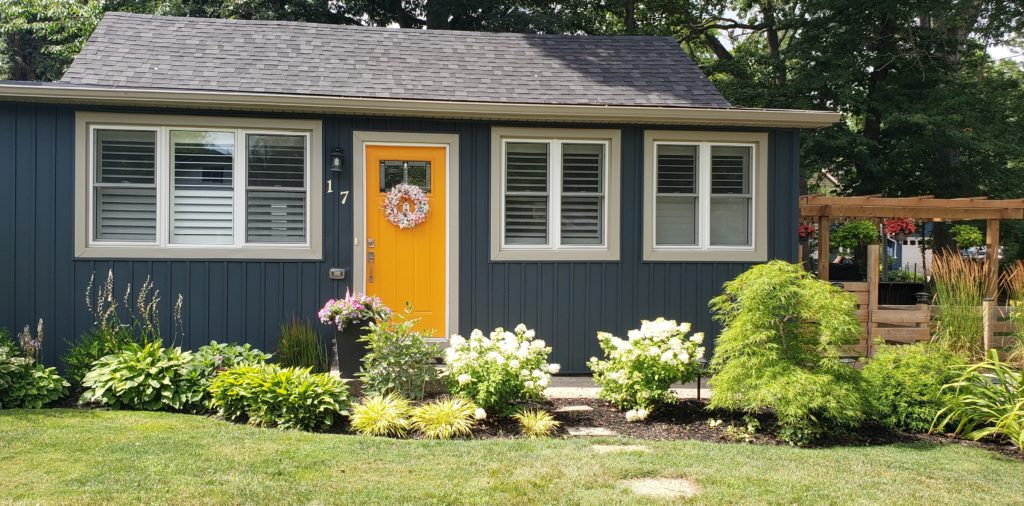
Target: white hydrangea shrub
{"x": 499, "y": 370}
{"x": 637, "y": 372}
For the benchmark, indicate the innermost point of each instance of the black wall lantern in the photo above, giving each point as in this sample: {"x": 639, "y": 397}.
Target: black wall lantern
{"x": 337, "y": 159}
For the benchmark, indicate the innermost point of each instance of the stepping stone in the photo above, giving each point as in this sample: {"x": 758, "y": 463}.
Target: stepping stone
{"x": 619, "y": 448}
{"x": 573, "y": 409}
{"x": 662, "y": 488}
{"x": 591, "y": 432}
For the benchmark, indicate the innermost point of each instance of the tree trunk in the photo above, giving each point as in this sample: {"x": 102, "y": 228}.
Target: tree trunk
{"x": 630, "y": 17}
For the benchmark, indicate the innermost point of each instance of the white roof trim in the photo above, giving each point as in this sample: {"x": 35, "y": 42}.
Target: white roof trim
{"x": 775, "y": 118}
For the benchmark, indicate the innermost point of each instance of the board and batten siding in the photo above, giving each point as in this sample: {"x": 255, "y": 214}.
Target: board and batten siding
{"x": 246, "y": 301}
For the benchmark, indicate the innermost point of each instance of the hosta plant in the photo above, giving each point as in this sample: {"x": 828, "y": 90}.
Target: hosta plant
{"x": 536, "y": 423}
{"x": 214, "y": 358}
{"x": 26, "y": 384}
{"x": 148, "y": 377}
{"x": 271, "y": 396}
{"x": 445, "y": 418}
{"x": 987, "y": 401}
{"x": 382, "y": 415}
{"x": 498, "y": 371}
{"x": 637, "y": 372}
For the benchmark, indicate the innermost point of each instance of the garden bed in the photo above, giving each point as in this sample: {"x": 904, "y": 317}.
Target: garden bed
{"x": 689, "y": 420}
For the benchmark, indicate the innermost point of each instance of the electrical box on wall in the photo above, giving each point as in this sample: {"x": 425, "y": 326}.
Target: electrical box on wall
{"x": 336, "y": 273}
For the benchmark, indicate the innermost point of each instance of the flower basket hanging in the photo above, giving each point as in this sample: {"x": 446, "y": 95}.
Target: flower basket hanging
{"x": 804, "y": 232}
{"x": 899, "y": 228}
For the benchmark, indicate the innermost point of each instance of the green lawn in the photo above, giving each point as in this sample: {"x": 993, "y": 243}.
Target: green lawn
{"x": 80, "y": 456}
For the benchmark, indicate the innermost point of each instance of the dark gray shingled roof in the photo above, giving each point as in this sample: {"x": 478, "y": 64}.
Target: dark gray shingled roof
{"x": 141, "y": 51}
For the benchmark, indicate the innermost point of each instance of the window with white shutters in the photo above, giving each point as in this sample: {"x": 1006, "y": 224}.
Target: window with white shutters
{"x": 554, "y": 194}
{"x": 202, "y": 190}
{"x": 124, "y": 185}
{"x": 276, "y": 188}
{"x": 704, "y": 196}
{"x": 215, "y": 188}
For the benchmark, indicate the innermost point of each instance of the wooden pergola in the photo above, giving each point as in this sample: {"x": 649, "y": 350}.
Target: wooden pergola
{"x": 824, "y": 209}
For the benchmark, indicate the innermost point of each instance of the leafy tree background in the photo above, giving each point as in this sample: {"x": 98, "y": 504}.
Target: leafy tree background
{"x": 926, "y": 109}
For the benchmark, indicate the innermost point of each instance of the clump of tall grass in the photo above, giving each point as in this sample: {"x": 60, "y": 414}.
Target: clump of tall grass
{"x": 1013, "y": 283}
{"x": 960, "y": 287}
{"x": 301, "y": 346}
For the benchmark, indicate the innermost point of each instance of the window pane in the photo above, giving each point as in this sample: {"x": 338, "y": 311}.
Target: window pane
{"x": 125, "y": 193}
{"x": 394, "y": 172}
{"x": 277, "y": 161}
{"x": 730, "y": 221}
{"x": 276, "y": 199}
{"x": 582, "y": 168}
{"x": 526, "y": 219}
{"x": 526, "y": 167}
{"x": 582, "y": 220}
{"x": 730, "y": 170}
{"x": 677, "y": 169}
{"x": 202, "y": 172}
{"x": 125, "y": 157}
{"x": 675, "y": 221}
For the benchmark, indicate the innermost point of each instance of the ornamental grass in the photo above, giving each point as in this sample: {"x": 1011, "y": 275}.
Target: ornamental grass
{"x": 960, "y": 287}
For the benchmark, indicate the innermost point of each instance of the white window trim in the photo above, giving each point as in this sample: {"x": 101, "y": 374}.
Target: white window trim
{"x": 86, "y": 246}
{"x": 757, "y": 251}
{"x": 553, "y": 250}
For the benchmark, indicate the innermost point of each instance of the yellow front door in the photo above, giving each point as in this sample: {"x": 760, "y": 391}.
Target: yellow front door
{"x": 407, "y": 266}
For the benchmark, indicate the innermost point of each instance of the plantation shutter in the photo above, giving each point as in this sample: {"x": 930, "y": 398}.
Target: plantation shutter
{"x": 676, "y": 196}
{"x": 125, "y": 185}
{"x": 276, "y": 189}
{"x": 202, "y": 195}
{"x": 526, "y": 193}
{"x": 730, "y": 196}
{"x": 582, "y": 206}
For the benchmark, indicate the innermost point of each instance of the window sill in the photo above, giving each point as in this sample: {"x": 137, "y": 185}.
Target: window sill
{"x": 552, "y": 255}
{"x": 708, "y": 255}
{"x": 202, "y": 253}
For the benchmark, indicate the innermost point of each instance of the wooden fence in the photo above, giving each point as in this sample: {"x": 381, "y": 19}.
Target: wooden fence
{"x": 907, "y": 324}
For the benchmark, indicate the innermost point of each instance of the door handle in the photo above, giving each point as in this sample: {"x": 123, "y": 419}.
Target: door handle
{"x": 369, "y": 258}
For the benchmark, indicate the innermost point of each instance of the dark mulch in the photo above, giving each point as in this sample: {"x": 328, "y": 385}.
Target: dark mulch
{"x": 689, "y": 420}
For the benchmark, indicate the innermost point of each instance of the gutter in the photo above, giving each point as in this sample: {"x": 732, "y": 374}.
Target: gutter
{"x": 318, "y": 104}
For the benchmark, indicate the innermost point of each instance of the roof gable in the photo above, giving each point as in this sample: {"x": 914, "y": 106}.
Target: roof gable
{"x": 162, "y": 52}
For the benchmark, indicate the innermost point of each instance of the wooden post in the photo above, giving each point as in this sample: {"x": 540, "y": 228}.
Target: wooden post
{"x": 800, "y": 255}
{"x": 873, "y": 264}
{"x": 986, "y": 321}
{"x": 824, "y": 223}
{"x": 992, "y": 257}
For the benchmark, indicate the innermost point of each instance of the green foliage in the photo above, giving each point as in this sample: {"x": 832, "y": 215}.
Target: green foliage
{"x": 288, "y": 398}
{"x": 779, "y": 350}
{"x": 445, "y": 418}
{"x": 960, "y": 286}
{"x": 147, "y": 377}
{"x": 398, "y": 359}
{"x": 855, "y": 233}
{"x": 26, "y": 384}
{"x": 906, "y": 277}
{"x": 382, "y": 415}
{"x": 904, "y": 384}
{"x": 498, "y": 371}
{"x": 109, "y": 334}
{"x": 214, "y": 358}
{"x": 301, "y": 346}
{"x": 966, "y": 236}
{"x": 988, "y": 401}
{"x": 536, "y": 423}
{"x": 637, "y": 373}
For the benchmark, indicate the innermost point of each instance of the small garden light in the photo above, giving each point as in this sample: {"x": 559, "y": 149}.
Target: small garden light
{"x": 337, "y": 158}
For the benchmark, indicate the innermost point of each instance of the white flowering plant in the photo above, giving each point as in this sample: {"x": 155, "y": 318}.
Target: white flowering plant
{"x": 500, "y": 370}
{"x": 637, "y": 372}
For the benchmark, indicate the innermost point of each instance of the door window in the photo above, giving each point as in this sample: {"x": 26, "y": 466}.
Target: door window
{"x": 394, "y": 172}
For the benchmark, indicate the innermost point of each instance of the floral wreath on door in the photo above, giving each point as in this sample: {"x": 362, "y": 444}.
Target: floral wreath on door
{"x": 406, "y": 206}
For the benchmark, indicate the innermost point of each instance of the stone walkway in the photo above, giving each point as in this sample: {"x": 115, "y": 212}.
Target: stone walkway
{"x": 583, "y": 387}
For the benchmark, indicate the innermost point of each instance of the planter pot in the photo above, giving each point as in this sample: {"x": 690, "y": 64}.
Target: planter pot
{"x": 348, "y": 349}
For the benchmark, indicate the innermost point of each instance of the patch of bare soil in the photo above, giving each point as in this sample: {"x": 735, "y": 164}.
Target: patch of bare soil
{"x": 662, "y": 488}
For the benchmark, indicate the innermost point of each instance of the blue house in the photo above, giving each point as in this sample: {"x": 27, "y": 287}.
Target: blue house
{"x": 573, "y": 183}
